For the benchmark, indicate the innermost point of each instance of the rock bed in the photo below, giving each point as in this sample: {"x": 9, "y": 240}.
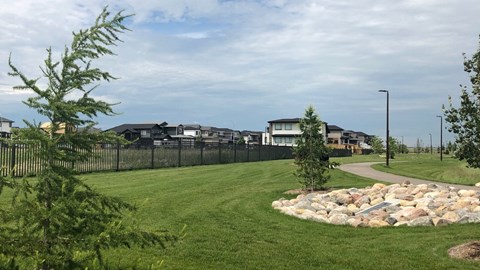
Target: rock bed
{"x": 415, "y": 205}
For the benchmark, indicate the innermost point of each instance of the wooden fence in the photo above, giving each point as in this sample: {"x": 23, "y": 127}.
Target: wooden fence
{"x": 20, "y": 160}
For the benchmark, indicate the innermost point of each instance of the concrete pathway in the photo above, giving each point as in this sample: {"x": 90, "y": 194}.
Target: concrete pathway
{"x": 365, "y": 170}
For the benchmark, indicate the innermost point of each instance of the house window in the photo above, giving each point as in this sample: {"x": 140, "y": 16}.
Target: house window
{"x": 288, "y": 140}
{"x": 145, "y": 133}
{"x": 278, "y": 139}
{"x": 288, "y": 126}
{"x": 278, "y": 126}
{"x": 197, "y": 133}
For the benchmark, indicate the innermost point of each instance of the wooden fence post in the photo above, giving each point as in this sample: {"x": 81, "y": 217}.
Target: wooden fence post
{"x": 12, "y": 162}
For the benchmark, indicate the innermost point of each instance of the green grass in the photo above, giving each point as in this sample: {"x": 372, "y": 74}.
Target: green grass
{"x": 428, "y": 167}
{"x": 231, "y": 224}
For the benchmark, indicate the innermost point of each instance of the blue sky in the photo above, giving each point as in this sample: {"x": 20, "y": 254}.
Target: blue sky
{"x": 239, "y": 64}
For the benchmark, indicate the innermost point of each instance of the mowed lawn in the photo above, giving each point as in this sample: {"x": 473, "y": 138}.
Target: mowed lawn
{"x": 231, "y": 225}
{"x": 429, "y": 167}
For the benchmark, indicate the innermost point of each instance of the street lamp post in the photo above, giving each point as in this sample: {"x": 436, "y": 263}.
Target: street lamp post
{"x": 388, "y": 132}
{"x": 403, "y": 150}
{"x": 431, "y": 147}
{"x": 441, "y": 137}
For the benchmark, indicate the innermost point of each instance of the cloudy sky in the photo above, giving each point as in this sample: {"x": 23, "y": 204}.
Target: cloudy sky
{"x": 241, "y": 63}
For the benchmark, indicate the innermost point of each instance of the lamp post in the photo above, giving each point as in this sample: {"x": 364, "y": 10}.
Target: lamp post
{"x": 431, "y": 147}
{"x": 388, "y": 144}
{"x": 441, "y": 137}
{"x": 403, "y": 150}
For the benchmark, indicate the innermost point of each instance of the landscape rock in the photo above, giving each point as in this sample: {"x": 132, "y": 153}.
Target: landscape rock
{"x": 411, "y": 205}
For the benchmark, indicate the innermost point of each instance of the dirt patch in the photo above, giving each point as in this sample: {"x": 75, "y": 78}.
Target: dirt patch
{"x": 468, "y": 251}
{"x": 303, "y": 191}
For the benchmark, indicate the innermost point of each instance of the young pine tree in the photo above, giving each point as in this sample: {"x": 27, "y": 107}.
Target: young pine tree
{"x": 57, "y": 221}
{"x": 311, "y": 154}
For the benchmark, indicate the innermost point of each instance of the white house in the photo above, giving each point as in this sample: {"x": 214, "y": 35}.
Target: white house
{"x": 5, "y": 127}
{"x": 285, "y": 131}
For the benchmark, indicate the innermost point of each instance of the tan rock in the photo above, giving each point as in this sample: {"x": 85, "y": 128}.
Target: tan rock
{"x": 408, "y": 203}
{"x": 378, "y": 223}
{"x": 466, "y": 193}
{"x": 451, "y": 216}
{"x": 415, "y": 213}
{"x": 440, "y": 221}
{"x": 358, "y": 222}
{"x": 352, "y": 208}
{"x": 376, "y": 201}
{"x": 419, "y": 195}
{"x": 378, "y": 186}
{"x": 277, "y": 204}
{"x": 477, "y": 184}
{"x": 390, "y": 196}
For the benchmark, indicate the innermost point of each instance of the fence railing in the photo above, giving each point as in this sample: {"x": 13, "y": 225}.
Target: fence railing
{"x": 20, "y": 160}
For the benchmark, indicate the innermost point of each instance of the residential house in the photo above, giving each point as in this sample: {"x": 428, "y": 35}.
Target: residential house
{"x": 144, "y": 135}
{"x": 285, "y": 131}
{"x": 5, "y": 127}
{"x": 177, "y": 132}
{"x": 252, "y": 137}
{"x": 335, "y": 135}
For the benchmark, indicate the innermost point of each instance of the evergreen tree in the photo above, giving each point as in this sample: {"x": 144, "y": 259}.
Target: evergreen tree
{"x": 464, "y": 121}
{"x": 311, "y": 154}
{"x": 57, "y": 221}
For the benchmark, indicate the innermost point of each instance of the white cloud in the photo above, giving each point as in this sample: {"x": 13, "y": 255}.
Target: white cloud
{"x": 260, "y": 59}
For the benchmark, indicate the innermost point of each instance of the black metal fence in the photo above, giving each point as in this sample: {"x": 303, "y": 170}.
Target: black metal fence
{"x": 20, "y": 160}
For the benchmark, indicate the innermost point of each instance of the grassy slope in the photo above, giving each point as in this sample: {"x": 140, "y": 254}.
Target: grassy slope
{"x": 429, "y": 167}
{"x": 231, "y": 224}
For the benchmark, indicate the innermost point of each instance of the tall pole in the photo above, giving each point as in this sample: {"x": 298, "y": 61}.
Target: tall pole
{"x": 388, "y": 131}
{"x": 403, "y": 146}
{"x": 431, "y": 147}
{"x": 441, "y": 137}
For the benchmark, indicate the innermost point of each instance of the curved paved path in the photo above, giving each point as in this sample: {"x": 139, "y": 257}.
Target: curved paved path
{"x": 365, "y": 170}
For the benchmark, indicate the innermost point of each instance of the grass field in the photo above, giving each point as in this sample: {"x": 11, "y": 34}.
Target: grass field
{"x": 231, "y": 225}
{"x": 428, "y": 167}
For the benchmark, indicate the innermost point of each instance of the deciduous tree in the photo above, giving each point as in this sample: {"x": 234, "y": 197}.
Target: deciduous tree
{"x": 464, "y": 121}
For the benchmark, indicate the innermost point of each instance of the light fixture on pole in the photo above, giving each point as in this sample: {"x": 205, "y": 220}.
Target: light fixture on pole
{"x": 441, "y": 137}
{"x": 388, "y": 132}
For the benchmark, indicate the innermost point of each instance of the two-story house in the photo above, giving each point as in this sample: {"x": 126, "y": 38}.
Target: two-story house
{"x": 252, "y": 137}
{"x": 5, "y": 127}
{"x": 286, "y": 131}
{"x": 143, "y": 135}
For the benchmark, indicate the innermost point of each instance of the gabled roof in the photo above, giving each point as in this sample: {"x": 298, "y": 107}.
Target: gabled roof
{"x": 334, "y": 128}
{"x": 361, "y": 133}
{"x": 191, "y": 127}
{"x": 135, "y": 127}
{"x": 3, "y": 119}
{"x": 286, "y": 120}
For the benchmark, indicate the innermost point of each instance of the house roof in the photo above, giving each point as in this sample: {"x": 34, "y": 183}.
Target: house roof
{"x": 286, "y": 120}
{"x": 3, "y": 119}
{"x": 334, "y": 128}
{"x": 134, "y": 127}
{"x": 361, "y": 133}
